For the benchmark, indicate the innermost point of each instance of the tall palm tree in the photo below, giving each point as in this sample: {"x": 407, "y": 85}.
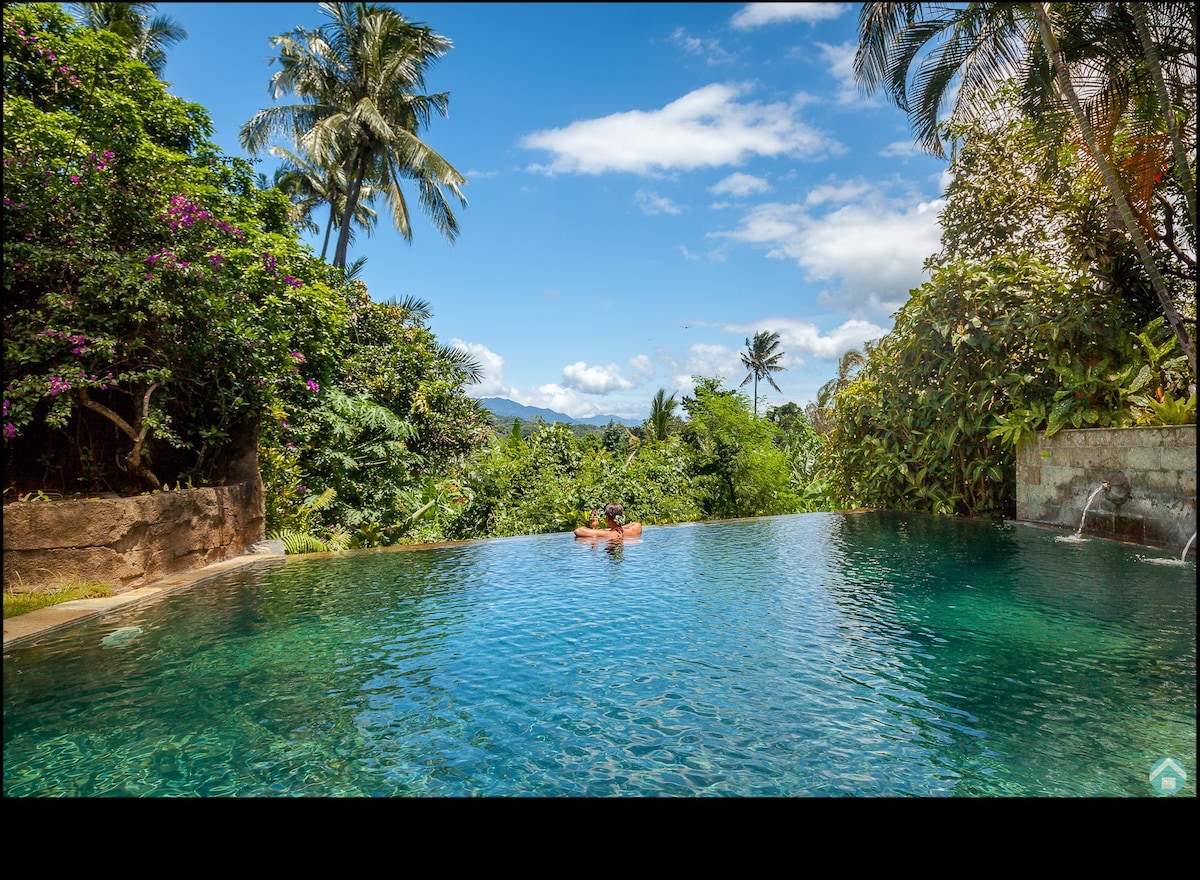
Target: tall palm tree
{"x": 660, "y": 414}
{"x": 147, "y": 35}
{"x": 980, "y": 46}
{"x": 761, "y": 359}
{"x": 359, "y": 80}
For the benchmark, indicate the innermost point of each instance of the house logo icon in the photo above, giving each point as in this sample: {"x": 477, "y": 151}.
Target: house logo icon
{"x": 1168, "y": 777}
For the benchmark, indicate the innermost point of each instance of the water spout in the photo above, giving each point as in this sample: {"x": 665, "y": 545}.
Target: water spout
{"x": 1116, "y": 488}
{"x": 1086, "y": 508}
{"x": 1187, "y": 547}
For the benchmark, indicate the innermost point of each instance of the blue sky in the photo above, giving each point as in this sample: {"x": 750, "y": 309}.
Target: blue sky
{"x": 648, "y": 185}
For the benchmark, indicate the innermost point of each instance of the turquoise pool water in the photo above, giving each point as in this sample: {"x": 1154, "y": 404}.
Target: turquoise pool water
{"x": 808, "y": 655}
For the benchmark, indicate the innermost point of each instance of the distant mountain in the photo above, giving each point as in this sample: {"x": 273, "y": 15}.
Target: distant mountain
{"x": 508, "y": 409}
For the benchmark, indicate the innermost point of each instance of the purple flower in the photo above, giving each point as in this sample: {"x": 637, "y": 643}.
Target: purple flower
{"x": 216, "y": 260}
{"x": 58, "y": 385}
{"x": 299, "y": 356}
{"x": 313, "y": 386}
{"x": 10, "y": 431}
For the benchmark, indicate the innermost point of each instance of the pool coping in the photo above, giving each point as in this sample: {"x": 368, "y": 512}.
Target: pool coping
{"x": 26, "y": 627}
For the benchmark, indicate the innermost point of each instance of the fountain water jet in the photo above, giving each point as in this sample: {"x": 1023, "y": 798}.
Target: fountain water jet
{"x": 1086, "y": 508}
{"x": 1187, "y": 547}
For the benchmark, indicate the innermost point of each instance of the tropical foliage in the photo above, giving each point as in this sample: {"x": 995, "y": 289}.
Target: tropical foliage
{"x": 145, "y": 34}
{"x": 165, "y": 326}
{"x": 1117, "y": 79}
{"x": 153, "y": 296}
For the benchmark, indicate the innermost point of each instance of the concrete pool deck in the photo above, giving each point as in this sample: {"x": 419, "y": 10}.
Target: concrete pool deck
{"x": 26, "y": 627}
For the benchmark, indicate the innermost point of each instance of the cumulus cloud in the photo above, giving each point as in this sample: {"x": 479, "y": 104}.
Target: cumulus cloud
{"x": 739, "y": 184}
{"x": 839, "y": 193}
{"x": 594, "y": 380}
{"x": 642, "y": 364}
{"x": 798, "y": 338}
{"x": 754, "y": 15}
{"x": 570, "y": 402}
{"x": 492, "y": 383}
{"x": 706, "y": 128}
{"x": 873, "y": 246}
{"x": 709, "y": 359}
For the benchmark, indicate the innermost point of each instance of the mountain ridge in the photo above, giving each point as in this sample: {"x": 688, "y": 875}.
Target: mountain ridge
{"x": 502, "y": 407}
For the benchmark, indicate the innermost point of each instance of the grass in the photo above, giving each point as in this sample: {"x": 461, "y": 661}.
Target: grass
{"x": 22, "y": 603}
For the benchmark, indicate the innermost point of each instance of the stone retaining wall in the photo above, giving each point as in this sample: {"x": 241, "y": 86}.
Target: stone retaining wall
{"x": 1056, "y": 477}
{"x": 128, "y": 542}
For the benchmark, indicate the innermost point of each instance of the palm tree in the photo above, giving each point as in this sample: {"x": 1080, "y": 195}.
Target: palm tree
{"x": 358, "y": 80}
{"x": 980, "y": 46}
{"x": 147, "y": 35}
{"x": 308, "y": 186}
{"x": 660, "y": 414}
{"x": 761, "y": 360}
{"x": 848, "y": 364}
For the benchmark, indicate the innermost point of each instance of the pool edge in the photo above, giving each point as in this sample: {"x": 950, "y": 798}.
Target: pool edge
{"x": 26, "y": 627}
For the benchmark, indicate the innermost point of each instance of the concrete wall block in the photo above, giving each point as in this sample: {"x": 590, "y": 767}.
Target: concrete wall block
{"x": 1160, "y": 463}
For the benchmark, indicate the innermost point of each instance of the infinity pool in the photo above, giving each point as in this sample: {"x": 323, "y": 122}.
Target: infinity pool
{"x": 809, "y": 655}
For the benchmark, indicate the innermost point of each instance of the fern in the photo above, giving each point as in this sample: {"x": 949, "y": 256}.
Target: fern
{"x": 299, "y": 542}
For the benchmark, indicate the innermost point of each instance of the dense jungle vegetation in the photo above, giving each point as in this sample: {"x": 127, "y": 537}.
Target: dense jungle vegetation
{"x": 163, "y": 318}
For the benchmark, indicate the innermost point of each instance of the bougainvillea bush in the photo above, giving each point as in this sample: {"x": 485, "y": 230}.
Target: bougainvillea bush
{"x": 157, "y": 303}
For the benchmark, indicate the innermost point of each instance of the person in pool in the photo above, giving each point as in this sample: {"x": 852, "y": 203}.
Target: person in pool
{"x": 614, "y": 517}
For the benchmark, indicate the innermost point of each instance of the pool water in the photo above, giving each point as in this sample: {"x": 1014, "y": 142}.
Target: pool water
{"x": 810, "y": 655}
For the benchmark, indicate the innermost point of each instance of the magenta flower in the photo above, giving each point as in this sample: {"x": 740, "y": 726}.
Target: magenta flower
{"x": 10, "y": 431}
{"x": 299, "y": 356}
{"x": 313, "y": 386}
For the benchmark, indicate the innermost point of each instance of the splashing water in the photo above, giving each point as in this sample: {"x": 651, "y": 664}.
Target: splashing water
{"x": 1187, "y": 547}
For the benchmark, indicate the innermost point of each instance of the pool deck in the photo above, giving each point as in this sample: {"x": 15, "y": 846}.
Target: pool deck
{"x": 25, "y": 627}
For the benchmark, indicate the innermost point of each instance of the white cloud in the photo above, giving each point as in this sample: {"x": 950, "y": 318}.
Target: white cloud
{"x": 708, "y": 359}
{"x": 570, "y": 402}
{"x": 708, "y": 127}
{"x": 492, "y": 383}
{"x": 901, "y": 150}
{"x": 754, "y": 15}
{"x": 838, "y": 193}
{"x": 739, "y": 184}
{"x": 594, "y": 380}
{"x": 710, "y": 50}
{"x": 798, "y": 338}
{"x": 642, "y": 364}
{"x": 874, "y": 247}
{"x": 652, "y": 203}
{"x": 840, "y": 62}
